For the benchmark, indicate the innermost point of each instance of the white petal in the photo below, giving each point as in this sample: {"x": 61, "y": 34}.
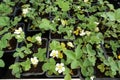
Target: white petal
{"x": 51, "y": 54}
{"x": 16, "y": 32}
{"x": 34, "y": 60}
{"x": 56, "y": 69}
{"x": 92, "y": 77}
{"x": 57, "y": 64}
{"x": 31, "y": 59}
{"x": 70, "y": 44}
{"x": 56, "y": 52}
{"x": 63, "y": 69}
{"x": 59, "y": 71}
{"x": 25, "y": 11}
{"x": 82, "y": 33}
{"x": 20, "y": 29}
{"x": 62, "y": 64}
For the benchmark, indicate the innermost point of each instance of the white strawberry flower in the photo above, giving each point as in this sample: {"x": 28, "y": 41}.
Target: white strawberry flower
{"x": 54, "y": 53}
{"x": 18, "y": 31}
{"x": 34, "y": 61}
{"x": 60, "y": 67}
{"x": 38, "y": 38}
{"x": 92, "y": 77}
{"x": 25, "y": 10}
{"x": 19, "y": 34}
{"x": 82, "y": 33}
{"x": 70, "y": 44}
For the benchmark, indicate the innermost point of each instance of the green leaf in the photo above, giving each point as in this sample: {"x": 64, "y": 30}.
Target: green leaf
{"x": 45, "y": 25}
{"x": 29, "y": 38}
{"x": 2, "y": 64}
{"x": 86, "y": 63}
{"x": 64, "y": 5}
{"x": 78, "y": 52}
{"x": 4, "y": 21}
{"x": 27, "y": 50}
{"x": 4, "y": 30}
{"x": 75, "y": 64}
{"x": 1, "y": 53}
{"x": 87, "y": 78}
{"x": 67, "y": 61}
{"x": 16, "y": 20}
{"x": 49, "y": 66}
{"x": 92, "y": 59}
{"x": 55, "y": 45}
{"x": 118, "y": 63}
{"x": 101, "y": 67}
{"x": 117, "y": 13}
{"x": 96, "y": 38}
{"x": 45, "y": 66}
{"x": 5, "y": 9}
{"x": 70, "y": 54}
{"x": 111, "y": 16}
{"x": 90, "y": 70}
{"x": 113, "y": 64}
{"x": 7, "y": 36}
{"x": 17, "y": 75}
{"x": 4, "y": 39}
{"x": 16, "y": 69}
{"x": 3, "y": 43}
{"x": 114, "y": 45}
{"x": 52, "y": 61}
{"x": 19, "y": 52}
{"x": 90, "y": 51}
{"x": 62, "y": 29}
{"x": 9, "y": 2}
{"x": 80, "y": 16}
{"x": 84, "y": 71}
{"x": 26, "y": 65}
{"x": 91, "y": 25}
{"x": 29, "y": 45}
{"x": 111, "y": 6}
{"x": 67, "y": 77}
{"x": 41, "y": 54}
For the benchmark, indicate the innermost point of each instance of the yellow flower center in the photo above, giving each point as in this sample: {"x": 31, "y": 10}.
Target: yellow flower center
{"x": 54, "y": 54}
{"x": 60, "y": 55}
{"x": 60, "y": 67}
{"x": 77, "y": 31}
{"x": 118, "y": 56}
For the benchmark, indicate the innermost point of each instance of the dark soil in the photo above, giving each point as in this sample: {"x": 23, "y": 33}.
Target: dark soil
{"x": 12, "y": 45}
{"x": 5, "y": 73}
{"x": 56, "y": 36}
